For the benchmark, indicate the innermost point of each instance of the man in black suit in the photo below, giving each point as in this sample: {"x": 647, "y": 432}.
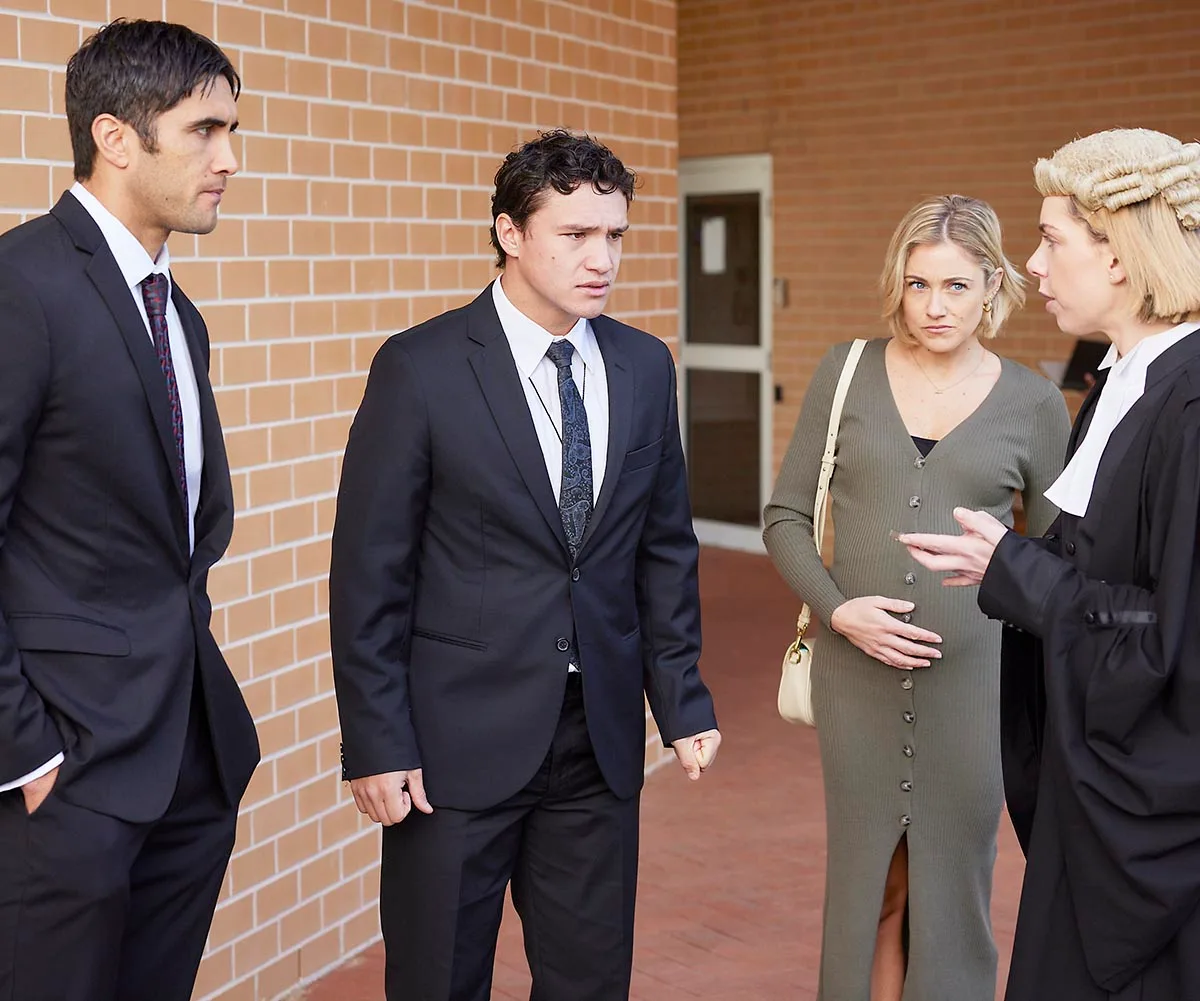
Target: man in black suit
{"x": 514, "y": 568}
{"x": 125, "y": 744}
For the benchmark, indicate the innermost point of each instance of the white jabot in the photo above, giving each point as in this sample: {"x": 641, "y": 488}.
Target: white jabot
{"x": 539, "y": 378}
{"x": 1126, "y": 383}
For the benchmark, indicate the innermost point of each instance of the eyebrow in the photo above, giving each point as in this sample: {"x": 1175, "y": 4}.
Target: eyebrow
{"x": 1046, "y": 229}
{"x": 965, "y": 281}
{"x": 568, "y": 228}
{"x": 210, "y": 122}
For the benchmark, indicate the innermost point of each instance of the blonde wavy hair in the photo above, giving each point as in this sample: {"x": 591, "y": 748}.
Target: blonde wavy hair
{"x": 1139, "y": 190}
{"x": 968, "y": 223}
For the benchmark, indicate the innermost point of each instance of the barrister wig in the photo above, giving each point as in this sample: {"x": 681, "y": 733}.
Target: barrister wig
{"x": 1139, "y": 190}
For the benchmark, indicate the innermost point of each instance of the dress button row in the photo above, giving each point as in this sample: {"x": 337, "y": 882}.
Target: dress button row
{"x": 905, "y": 820}
{"x": 910, "y": 717}
{"x": 910, "y": 578}
{"x": 906, "y": 786}
{"x": 908, "y": 750}
{"x": 914, "y": 502}
{"x": 906, "y": 684}
{"x": 919, "y": 462}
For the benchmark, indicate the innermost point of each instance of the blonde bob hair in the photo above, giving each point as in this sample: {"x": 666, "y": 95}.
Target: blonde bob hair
{"x": 1138, "y": 190}
{"x": 968, "y": 223}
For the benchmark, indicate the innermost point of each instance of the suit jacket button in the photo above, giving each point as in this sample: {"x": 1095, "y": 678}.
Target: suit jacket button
{"x": 563, "y": 644}
{"x": 575, "y": 574}
{"x": 1070, "y": 547}
{"x": 1090, "y": 618}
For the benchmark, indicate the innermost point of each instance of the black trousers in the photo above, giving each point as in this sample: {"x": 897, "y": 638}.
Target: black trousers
{"x": 569, "y": 848}
{"x": 93, "y": 908}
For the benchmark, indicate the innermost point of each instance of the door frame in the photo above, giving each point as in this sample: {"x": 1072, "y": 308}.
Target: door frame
{"x": 728, "y": 175}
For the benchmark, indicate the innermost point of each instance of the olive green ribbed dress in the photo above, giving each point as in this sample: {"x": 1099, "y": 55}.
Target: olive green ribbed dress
{"x": 911, "y": 753}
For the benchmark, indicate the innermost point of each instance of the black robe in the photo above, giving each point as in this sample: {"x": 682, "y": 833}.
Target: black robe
{"x": 1100, "y": 719}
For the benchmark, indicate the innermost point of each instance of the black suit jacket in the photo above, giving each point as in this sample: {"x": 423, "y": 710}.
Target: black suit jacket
{"x": 104, "y": 617}
{"x": 452, "y": 591}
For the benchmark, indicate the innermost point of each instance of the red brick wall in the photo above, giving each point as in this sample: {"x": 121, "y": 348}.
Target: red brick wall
{"x": 867, "y": 107}
{"x": 371, "y": 130}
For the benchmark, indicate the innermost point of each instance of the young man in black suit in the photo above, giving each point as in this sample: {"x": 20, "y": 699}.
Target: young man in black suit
{"x": 125, "y": 744}
{"x": 514, "y": 568}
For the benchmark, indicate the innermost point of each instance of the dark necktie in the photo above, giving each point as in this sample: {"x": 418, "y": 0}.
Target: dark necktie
{"x": 154, "y": 295}
{"x": 575, "y": 493}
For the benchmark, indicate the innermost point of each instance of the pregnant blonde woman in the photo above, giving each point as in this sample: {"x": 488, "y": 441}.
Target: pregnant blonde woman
{"x": 906, "y": 680}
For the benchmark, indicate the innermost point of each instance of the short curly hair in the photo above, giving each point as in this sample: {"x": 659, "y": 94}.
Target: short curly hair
{"x": 558, "y": 160}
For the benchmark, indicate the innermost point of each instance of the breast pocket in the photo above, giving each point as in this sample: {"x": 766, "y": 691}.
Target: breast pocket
{"x": 643, "y": 457}
{"x": 66, "y": 634}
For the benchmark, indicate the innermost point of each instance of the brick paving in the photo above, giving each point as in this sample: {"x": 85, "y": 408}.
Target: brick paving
{"x": 729, "y": 899}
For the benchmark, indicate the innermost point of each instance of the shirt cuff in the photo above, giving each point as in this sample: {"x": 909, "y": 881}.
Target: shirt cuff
{"x": 37, "y": 773}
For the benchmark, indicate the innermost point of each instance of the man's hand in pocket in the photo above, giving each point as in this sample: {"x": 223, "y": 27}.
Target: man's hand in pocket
{"x": 37, "y": 790}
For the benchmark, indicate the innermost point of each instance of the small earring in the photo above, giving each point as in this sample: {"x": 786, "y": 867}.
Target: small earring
{"x": 987, "y": 305}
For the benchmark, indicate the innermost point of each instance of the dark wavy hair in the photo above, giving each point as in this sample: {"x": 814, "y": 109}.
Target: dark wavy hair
{"x": 134, "y": 71}
{"x": 560, "y": 160}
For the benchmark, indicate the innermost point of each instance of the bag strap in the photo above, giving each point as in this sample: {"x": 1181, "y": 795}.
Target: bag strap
{"x": 828, "y": 462}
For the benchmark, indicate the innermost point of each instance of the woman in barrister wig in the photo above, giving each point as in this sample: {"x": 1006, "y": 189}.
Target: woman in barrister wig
{"x": 1101, "y": 677}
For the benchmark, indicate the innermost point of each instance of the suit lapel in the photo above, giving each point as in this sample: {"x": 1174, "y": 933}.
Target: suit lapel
{"x": 1140, "y": 415}
{"x": 501, "y": 385}
{"x": 103, "y": 272}
{"x": 1083, "y": 419}
{"x": 619, "y": 374}
{"x": 214, "y": 526}
{"x": 1113, "y": 457}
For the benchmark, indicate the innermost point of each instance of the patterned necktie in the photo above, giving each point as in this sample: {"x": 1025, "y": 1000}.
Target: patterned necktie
{"x": 154, "y": 295}
{"x": 575, "y": 494}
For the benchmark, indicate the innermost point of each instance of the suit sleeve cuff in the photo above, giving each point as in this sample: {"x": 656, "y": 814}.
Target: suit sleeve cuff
{"x": 37, "y": 773}
{"x": 1019, "y": 581}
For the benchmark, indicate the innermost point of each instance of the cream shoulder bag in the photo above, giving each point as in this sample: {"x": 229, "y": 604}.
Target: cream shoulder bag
{"x": 795, "y": 687}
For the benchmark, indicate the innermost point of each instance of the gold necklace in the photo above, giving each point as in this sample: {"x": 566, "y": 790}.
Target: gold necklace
{"x": 939, "y": 391}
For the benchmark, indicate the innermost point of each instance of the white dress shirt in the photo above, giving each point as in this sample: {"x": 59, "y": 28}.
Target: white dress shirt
{"x": 1126, "y": 383}
{"x": 135, "y": 265}
{"x": 539, "y": 378}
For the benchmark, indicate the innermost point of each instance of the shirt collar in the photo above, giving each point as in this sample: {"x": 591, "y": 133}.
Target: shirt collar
{"x": 529, "y": 340}
{"x": 135, "y": 264}
{"x": 1145, "y": 352}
